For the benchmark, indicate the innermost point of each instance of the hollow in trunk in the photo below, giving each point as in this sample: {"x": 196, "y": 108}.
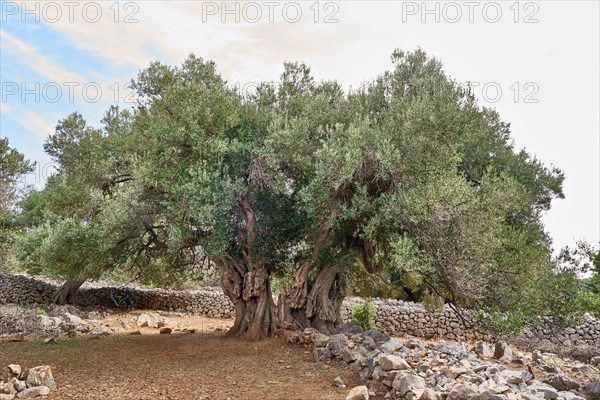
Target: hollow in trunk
{"x": 314, "y": 302}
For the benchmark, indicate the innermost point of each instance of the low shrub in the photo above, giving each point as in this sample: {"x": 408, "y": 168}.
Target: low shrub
{"x": 363, "y": 314}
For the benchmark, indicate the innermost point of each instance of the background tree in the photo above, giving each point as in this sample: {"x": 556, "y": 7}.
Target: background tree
{"x": 583, "y": 261}
{"x": 69, "y": 218}
{"x": 12, "y": 165}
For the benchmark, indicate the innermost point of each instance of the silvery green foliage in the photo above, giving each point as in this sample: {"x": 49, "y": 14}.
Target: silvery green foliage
{"x": 408, "y": 173}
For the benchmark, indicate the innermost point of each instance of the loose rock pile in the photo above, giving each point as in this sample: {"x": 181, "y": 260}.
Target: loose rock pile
{"x": 27, "y": 384}
{"x": 52, "y": 320}
{"x": 416, "y": 369}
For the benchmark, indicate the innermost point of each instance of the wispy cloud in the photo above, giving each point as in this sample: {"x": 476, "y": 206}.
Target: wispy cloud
{"x": 36, "y": 124}
{"x": 31, "y": 121}
{"x": 120, "y": 43}
{"x": 30, "y": 57}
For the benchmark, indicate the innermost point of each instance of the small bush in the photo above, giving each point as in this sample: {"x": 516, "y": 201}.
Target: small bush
{"x": 501, "y": 324}
{"x": 590, "y": 302}
{"x": 362, "y": 315}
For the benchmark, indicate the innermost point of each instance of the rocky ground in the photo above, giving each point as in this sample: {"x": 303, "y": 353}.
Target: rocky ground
{"x": 52, "y": 321}
{"x": 157, "y": 355}
{"x": 124, "y": 356}
{"x": 437, "y": 370}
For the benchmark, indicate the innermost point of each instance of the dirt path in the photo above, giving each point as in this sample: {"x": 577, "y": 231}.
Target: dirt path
{"x": 179, "y": 366}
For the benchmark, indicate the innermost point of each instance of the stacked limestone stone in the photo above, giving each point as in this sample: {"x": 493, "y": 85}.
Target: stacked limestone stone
{"x": 397, "y": 317}
{"x": 209, "y": 302}
{"x": 586, "y": 333}
{"x": 21, "y": 289}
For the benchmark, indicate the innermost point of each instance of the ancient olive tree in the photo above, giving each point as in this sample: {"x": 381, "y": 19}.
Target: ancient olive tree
{"x": 157, "y": 190}
{"x": 407, "y": 174}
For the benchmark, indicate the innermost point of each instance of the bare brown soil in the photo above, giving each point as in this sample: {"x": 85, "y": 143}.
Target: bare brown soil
{"x": 182, "y": 366}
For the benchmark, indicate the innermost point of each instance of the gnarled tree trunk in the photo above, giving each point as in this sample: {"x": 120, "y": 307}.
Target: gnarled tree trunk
{"x": 245, "y": 280}
{"x": 67, "y": 293}
{"x": 316, "y": 300}
{"x": 314, "y": 303}
{"x": 247, "y": 286}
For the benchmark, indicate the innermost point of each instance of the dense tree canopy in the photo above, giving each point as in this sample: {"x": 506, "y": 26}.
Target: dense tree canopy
{"x": 407, "y": 177}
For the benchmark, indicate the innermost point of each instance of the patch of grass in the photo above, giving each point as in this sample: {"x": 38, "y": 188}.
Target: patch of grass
{"x": 41, "y": 311}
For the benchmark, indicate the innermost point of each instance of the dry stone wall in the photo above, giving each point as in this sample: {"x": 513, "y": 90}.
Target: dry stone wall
{"x": 393, "y": 317}
{"x": 210, "y": 302}
{"x": 397, "y": 317}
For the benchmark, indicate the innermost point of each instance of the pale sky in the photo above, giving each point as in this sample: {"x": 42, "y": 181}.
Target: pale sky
{"x": 536, "y": 62}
